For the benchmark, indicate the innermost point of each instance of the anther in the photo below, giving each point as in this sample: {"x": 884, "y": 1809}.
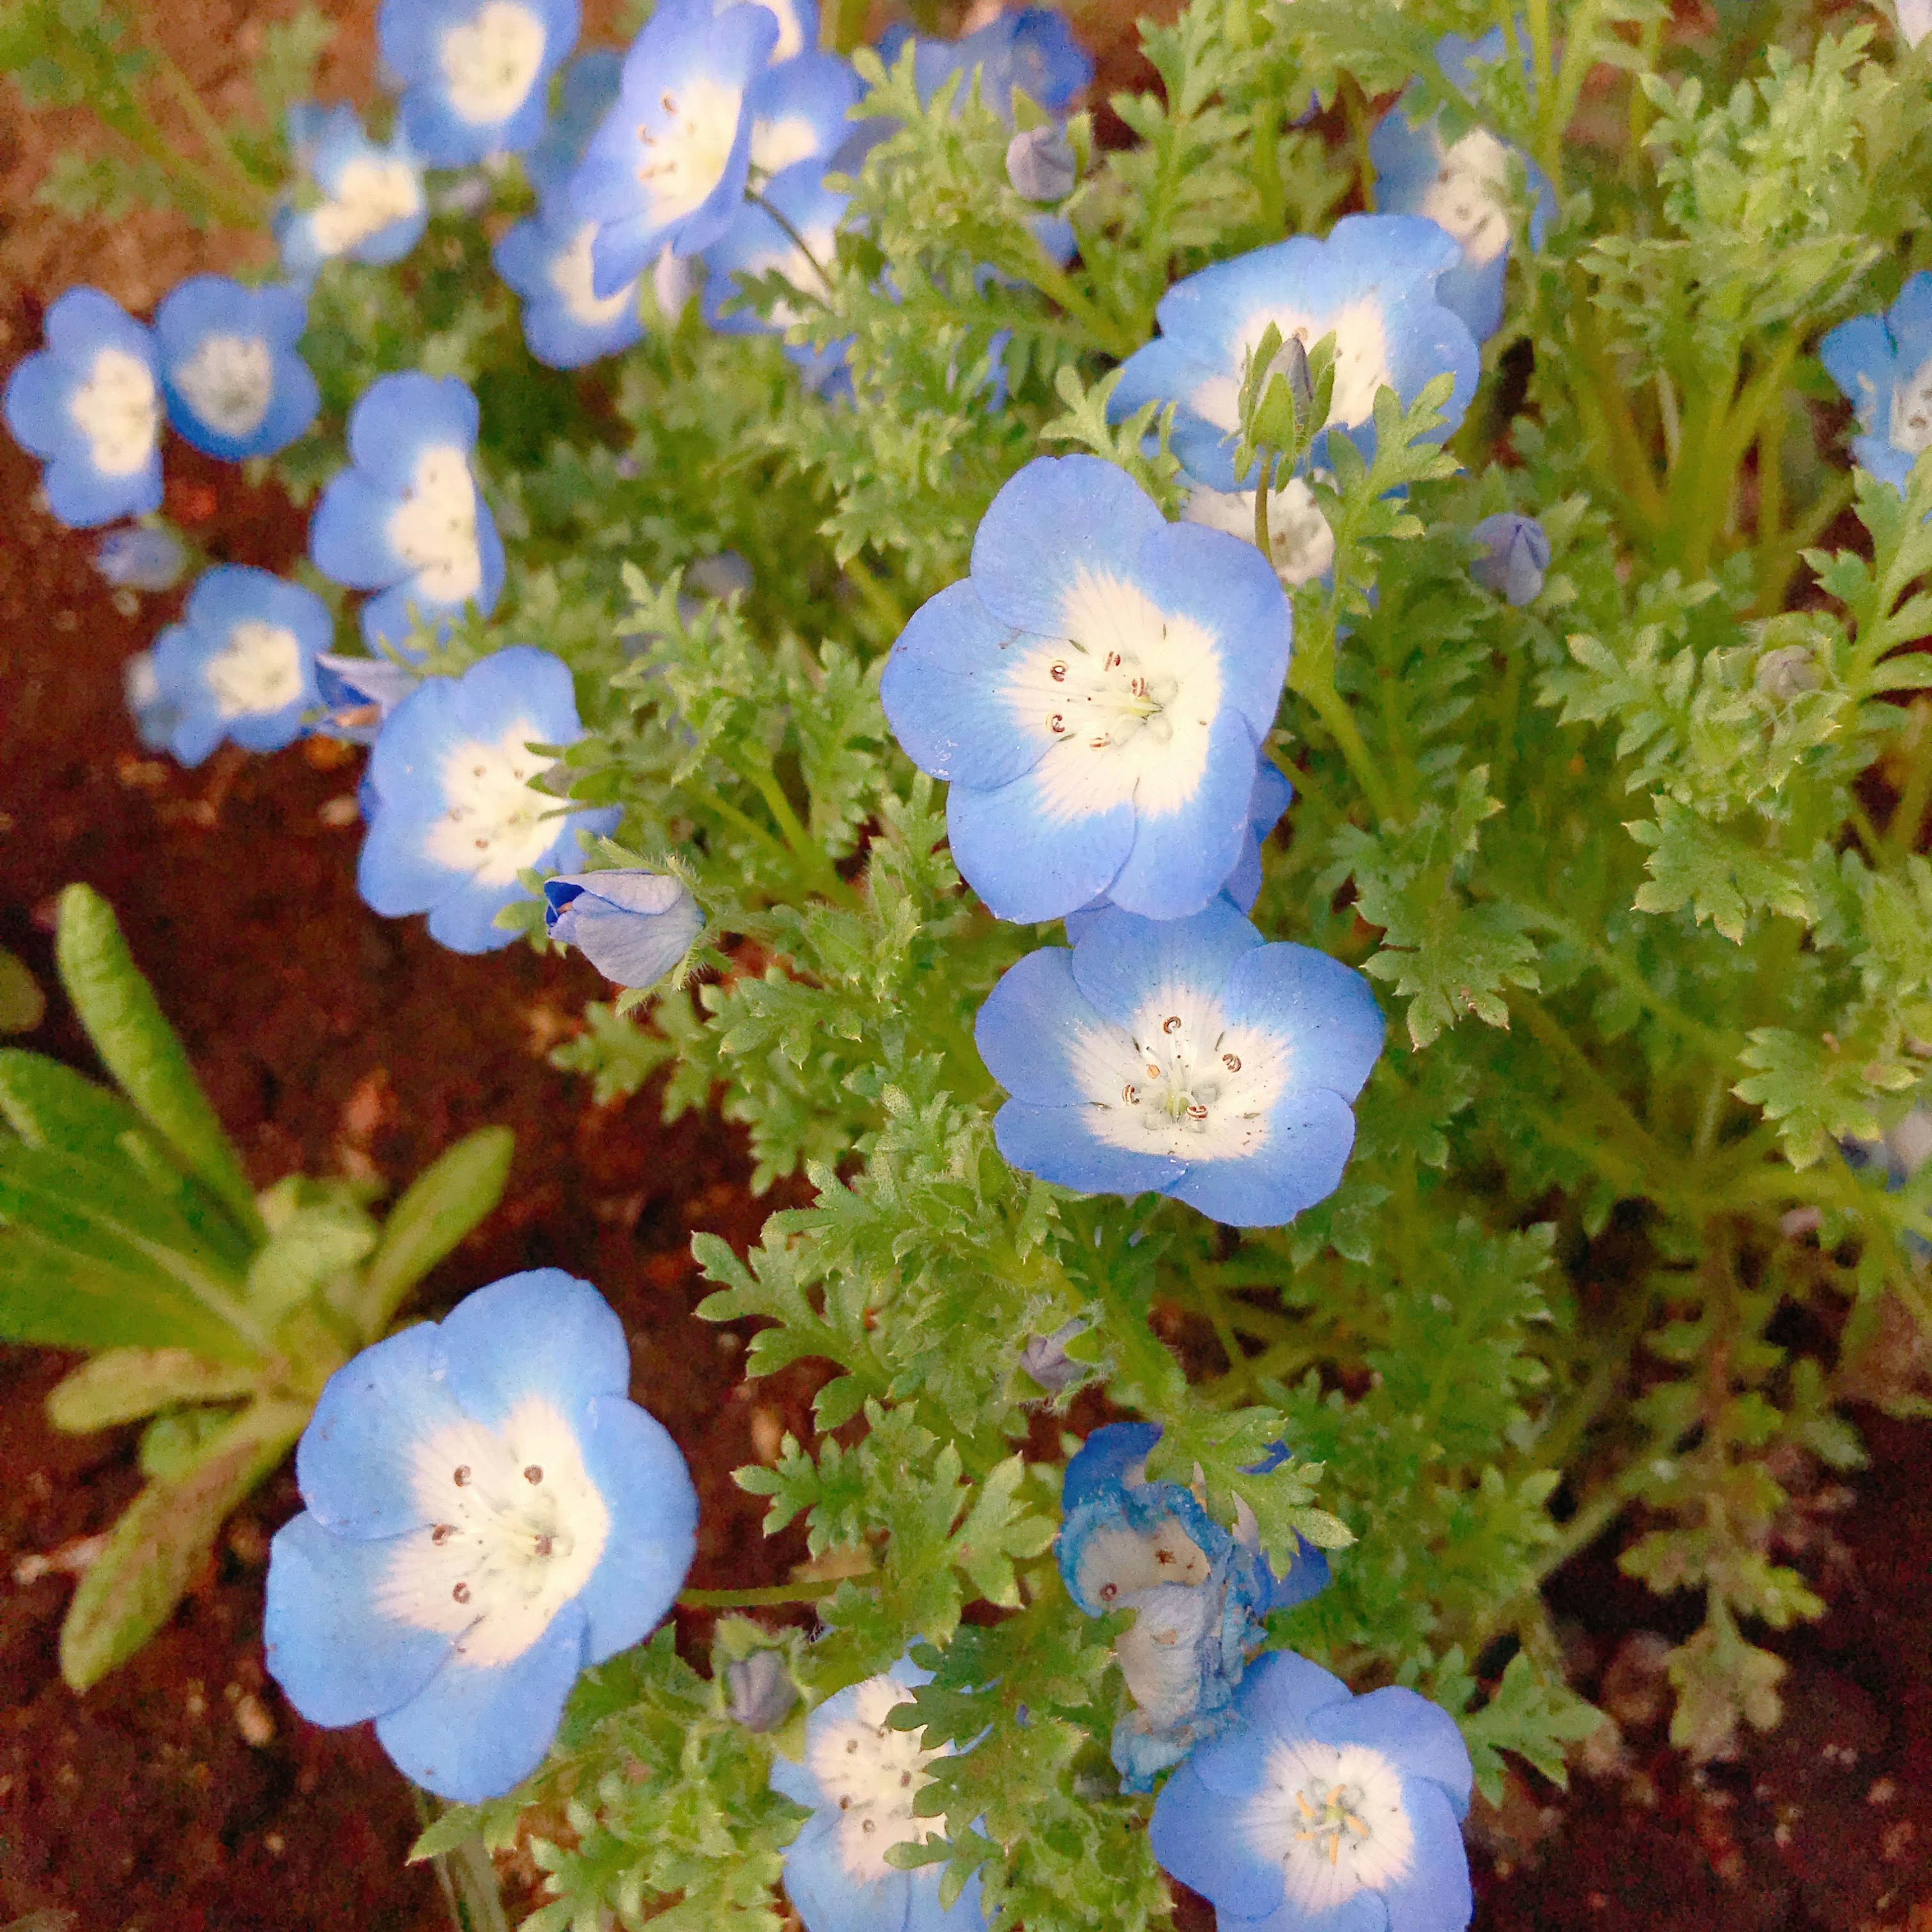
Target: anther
{"x": 1172, "y": 1024}
{"x": 1056, "y": 722}
{"x": 442, "y": 1532}
{"x": 1197, "y": 1111}
{"x": 1058, "y": 673}
{"x": 844, "y": 1803}
{"x": 851, "y": 1746}
{"x": 668, "y": 102}
{"x": 1113, "y": 658}
{"x": 905, "y": 1778}
{"x": 461, "y": 1593}
{"x": 1131, "y": 1094}
{"x": 532, "y": 1474}
{"x": 1108, "y": 1591}
{"x": 867, "y": 1825}
{"x": 1231, "y": 1061}
{"x": 545, "y": 1544}
{"x": 462, "y": 1476}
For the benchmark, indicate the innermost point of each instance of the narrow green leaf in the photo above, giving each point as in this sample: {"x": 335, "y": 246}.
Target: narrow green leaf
{"x": 51, "y": 1296}
{"x": 22, "y": 1004}
{"x": 309, "y": 1248}
{"x": 123, "y": 1385}
{"x": 50, "y": 1105}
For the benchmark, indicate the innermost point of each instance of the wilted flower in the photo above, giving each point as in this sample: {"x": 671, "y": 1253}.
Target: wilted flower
{"x": 1883, "y": 363}
{"x": 235, "y": 385}
{"x": 633, "y": 926}
{"x": 1301, "y": 544}
{"x": 88, "y": 405}
{"x": 487, "y": 1514}
{"x": 860, "y": 1778}
{"x": 474, "y": 72}
{"x": 1031, "y": 48}
{"x": 1320, "y": 1810}
{"x": 141, "y": 559}
{"x": 406, "y": 518}
{"x": 1515, "y": 554}
{"x": 1041, "y": 164}
{"x": 1183, "y": 1057}
{"x": 357, "y": 693}
{"x": 1371, "y": 284}
{"x": 1096, "y": 690}
{"x": 454, "y": 813}
{"x": 372, "y": 209}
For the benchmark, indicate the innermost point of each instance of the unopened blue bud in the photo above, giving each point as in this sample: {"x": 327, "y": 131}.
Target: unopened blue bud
{"x": 762, "y": 1693}
{"x": 633, "y": 926}
{"x": 1516, "y": 554}
{"x": 1041, "y": 164}
{"x": 141, "y": 559}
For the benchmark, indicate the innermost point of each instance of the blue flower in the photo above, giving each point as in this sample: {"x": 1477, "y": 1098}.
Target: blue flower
{"x": 357, "y": 693}
{"x": 141, "y": 559}
{"x": 88, "y": 405}
{"x": 799, "y": 112}
{"x": 454, "y": 815}
{"x": 566, "y": 322}
{"x": 797, "y": 25}
{"x": 1301, "y": 545}
{"x": 241, "y": 663}
{"x": 372, "y": 207}
{"x": 1096, "y": 690}
{"x": 588, "y": 92}
{"x": 407, "y": 518}
{"x": 668, "y": 166}
{"x": 235, "y": 385}
{"x": 1041, "y": 164}
{"x": 755, "y": 245}
{"x": 1322, "y": 1812}
{"x": 1371, "y": 283}
{"x": 1462, "y": 186}
{"x": 154, "y": 716}
{"x": 633, "y": 926}
{"x": 1198, "y": 1592}
{"x": 859, "y": 1780}
{"x": 1883, "y": 363}
{"x": 474, "y": 72}
{"x": 487, "y": 1514}
{"x": 1032, "y": 49}
{"x": 1182, "y": 1056}
{"x": 1516, "y": 553}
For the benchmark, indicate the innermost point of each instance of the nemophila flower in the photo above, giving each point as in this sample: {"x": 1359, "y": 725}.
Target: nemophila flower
{"x": 487, "y": 1514}
{"x": 451, "y": 795}
{"x": 1321, "y": 1811}
{"x": 1095, "y": 691}
{"x": 1031, "y": 48}
{"x": 141, "y": 559}
{"x": 667, "y": 169}
{"x": 1301, "y": 544}
{"x": 859, "y": 1780}
{"x": 1041, "y": 164}
{"x": 475, "y": 73}
{"x": 1515, "y": 554}
{"x": 1184, "y": 1056}
{"x": 235, "y": 384}
{"x": 406, "y": 518}
{"x": 756, "y": 243}
{"x": 799, "y": 112}
{"x": 1371, "y": 284}
{"x": 89, "y": 405}
{"x": 1883, "y": 363}
{"x": 241, "y": 663}
{"x": 1462, "y": 186}
{"x": 587, "y": 93}
{"x": 566, "y": 322}
{"x": 372, "y": 208}
{"x": 797, "y": 25}
{"x": 633, "y": 926}
{"x": 357, "y": 693}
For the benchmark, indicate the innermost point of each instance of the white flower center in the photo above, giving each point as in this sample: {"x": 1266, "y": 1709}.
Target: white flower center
{"x": 791, "y": 34}
{"x": 571, "y": 275}
{"x": 1361, "y": 360}
{"x": 1468, "y": 198}
{"x": 777, "y": 144}
{"x": 873, "y": 1773}
{"x": 228, "y": 382}
{"x": 1301, "y": 545}
{"x": 517, "y": 1528}
{"x": 372, "y": 192}
{"x": 1331, "y": 1815}
{"x": 433, "y": 528}
{"x": 1127, "y": 700}
{"x": 258, "y": 669}
{"x": 684, "y": 154}
{"x": 489, "y": 61}
{"x": 1181, "y": 1081}
{"x": 1912, "y": 411}
{"x": 118, "y": 411}
{"x": 495, "y": 823}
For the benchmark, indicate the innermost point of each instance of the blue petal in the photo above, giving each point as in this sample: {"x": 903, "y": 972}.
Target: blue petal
{"x": 334, "y": 1653}
{"x": 542, "y": 1333}
{"x": 1434, "y": 1895}
{"x": 1229, "y": 589}
{"x": 791, "y": 1779}
{"x": 471, "y": 1734}
{"x": 1886, "y": 460}
{"x": 394, "y": 873}
{"x": 85, "y": 321}
{"x": 1910, "y": 320}
{"x": 1196, "y": 1837}
{"x": 465, "y": 920}
{"x": 1163, "y": 370}
{"x": 523, "y": 683}
{"x": 1324, "y": 1009}
{"x": 354, "y": 1461}
{"x": 349, "y": 534}
{"x": 84, "y": 499}
{"x": 1102, "y": 1461}
{"x": 36, "y": 405}
{"x": 400, "y": 416}
{"x": 1025, "y": 1028}
{"x": 1419, "y": 1739}
{"x": 1179, "y": 858}
{"x": 1310, "y": 1137}
{"x": 1307, "y": 1576}
{"x": 1027, "y": 864}
{"x": 1062, "y": 518}
{"x": 641, "y": 1475}
{"x": 1365, "y": 1912}
{"x": 829, "y": 1899}
{"x": 630, "y": 948}
{"x": 1282, "y": 1693}
{"x": 1122, "y": 960}
{"x": 941, "y": 689}
{"x": 1056, "y": 1144}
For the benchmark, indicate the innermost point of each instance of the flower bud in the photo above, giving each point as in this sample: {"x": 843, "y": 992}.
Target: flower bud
{"x": 1041, "y": 164}
{"x": 1516, "y": 554}
{"x": 633, "y": 926}
{"x": 762, "y": 1694}
{"x": 139, "y": 559}
{"x": 1787, "y": 672}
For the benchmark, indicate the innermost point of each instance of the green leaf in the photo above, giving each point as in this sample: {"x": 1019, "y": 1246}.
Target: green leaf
{"x": 1714, "y": 873}
{"x": 50, "y": 1105}
{"x": 153, "y": 1553}
{"x": 308, "y": 1250}
{"x": 22, "y": 1004}
{"x": 118, "y": 1008}
{"x": 1529, "y": 1714}
{"x": 123, "y": 1385}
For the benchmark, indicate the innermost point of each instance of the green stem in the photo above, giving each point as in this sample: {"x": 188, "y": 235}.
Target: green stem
{"x": 752, "y": 1600}
{"x": 798, "y": 242}
{"x": 805, "y": 849}
{"x": 213, "y": 137}
{"x": 1059, "y": 287}
{"x": 1901, "y": 836}
{"x": 1328, "y": 704}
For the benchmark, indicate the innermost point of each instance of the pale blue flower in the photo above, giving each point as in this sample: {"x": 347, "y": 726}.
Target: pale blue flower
{"x": 1301, "y": 544}
{"x": 454, "y": 813}
{"x": 800, "y": 112}
{"x": 1883, "y": 363}
{"x": 587, "y": 92}
{"x": 1031, "y": 48}
{"x": 1184, "y": 1056}
{"x": 236, "y": 385}
{"x": 859, "y": 1780}
{"x": 1322, "y": 1812}
{"x": 633, "y": 926}
{"x": 153, "y": 715}
{"x": 89, "y": 405}
{"x": 1371, "y": 283}
{"x": 474, "y": 73}
{"x": 1096, "y": 692}
{"x": 141, "y": 559}
{"x": 797, "y": 25}
{"x": 1516, "y": 553}
{"x": 487, "y": 1514}
{"x": 406, "y": 518}
{"x": 1041, "y": 165}
{"x": 566, "y": 322}
{"x": 241, "y": 663}
{"x": 371, "y": 207}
